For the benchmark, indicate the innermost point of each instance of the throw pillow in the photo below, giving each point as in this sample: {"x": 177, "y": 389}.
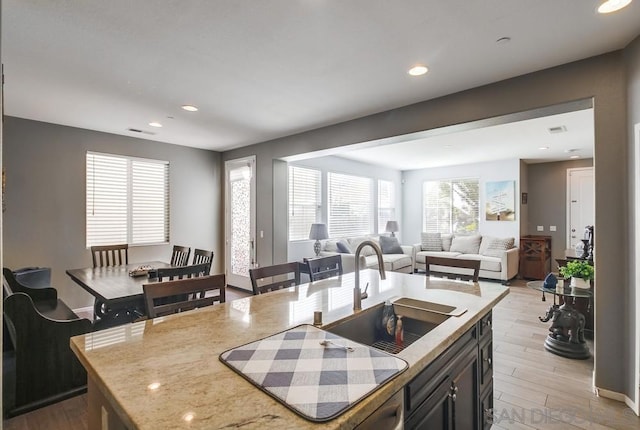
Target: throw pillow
{"x": 466, "y": 244}
{"x": 495, "y": 247}
{"x": 343, "y": 247}
{"x": 330, "y": 245}
{"x": 446, "y": 242}
{"x": 430, "y": 242}
{"x": 354, "y": 242}
{"x": 390, "y": 245}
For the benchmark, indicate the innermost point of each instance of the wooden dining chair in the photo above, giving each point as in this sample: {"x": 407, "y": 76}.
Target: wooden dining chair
{"x": 180, "y": 255}
{"x": 324, "y": 267}
{"x": 453, "y": 268}
{"x": 110, "y": 255}
{"x": 180, "y": 272}
{"x": 275, "y": 277}
{"x": 202, "y": 256}
{"x": 160, "y": 297}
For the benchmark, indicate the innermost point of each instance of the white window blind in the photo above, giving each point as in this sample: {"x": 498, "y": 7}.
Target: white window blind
{"x": 451, "y": 206}
{"x": 127, "y": 200}
{"x": 350, "y": 205}
{"x": 304, "y": 201}
{"x": 386, "y": 204}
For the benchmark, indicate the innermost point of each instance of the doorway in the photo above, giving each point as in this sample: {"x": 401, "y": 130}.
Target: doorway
{"x": 240, "y": 221}
{"x": 580, "y": 204}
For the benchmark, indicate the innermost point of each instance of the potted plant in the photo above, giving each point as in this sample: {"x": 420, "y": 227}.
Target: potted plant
{"x": 580, "y": 272}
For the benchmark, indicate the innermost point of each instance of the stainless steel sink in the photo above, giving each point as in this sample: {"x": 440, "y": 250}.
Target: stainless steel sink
{"x": 364, "y": 328}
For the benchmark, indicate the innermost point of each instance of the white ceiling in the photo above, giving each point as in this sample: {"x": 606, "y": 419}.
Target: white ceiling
{"x": 529, "y": 140}
{"x": 260, "y": 70}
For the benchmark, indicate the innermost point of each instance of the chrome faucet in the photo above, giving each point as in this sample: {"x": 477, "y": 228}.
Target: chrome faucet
{"x": 357, "y": 294}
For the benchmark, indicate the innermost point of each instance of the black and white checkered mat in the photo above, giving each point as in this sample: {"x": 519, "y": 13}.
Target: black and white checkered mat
{"x": 317, "y": 381}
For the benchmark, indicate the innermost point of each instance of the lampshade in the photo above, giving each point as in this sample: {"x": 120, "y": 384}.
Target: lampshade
{"x": 318, "y": 232}
{"x": 392, "y": 226}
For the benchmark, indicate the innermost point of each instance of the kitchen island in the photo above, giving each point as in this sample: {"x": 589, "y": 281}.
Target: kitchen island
{"x": 165, "y": 373}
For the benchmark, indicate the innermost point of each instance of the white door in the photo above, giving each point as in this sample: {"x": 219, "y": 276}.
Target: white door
{"x": 580, "y": 204}
{"x": 240, "y": 221}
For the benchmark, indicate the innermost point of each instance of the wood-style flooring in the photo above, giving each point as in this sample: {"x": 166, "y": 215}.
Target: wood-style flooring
{"x": 533, "y": 389}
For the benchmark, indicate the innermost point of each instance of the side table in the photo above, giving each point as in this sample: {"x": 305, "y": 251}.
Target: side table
{"x": 566, "y": 334}
{"x": 535, "y": 256}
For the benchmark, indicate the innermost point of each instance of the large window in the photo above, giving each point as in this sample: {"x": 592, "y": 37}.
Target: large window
{"x": 304, "y": 201}
{"x": 386, "y": 204}
{"x": 127, "y": 200}
{"x": 451, "y": 206}
{"x": 350, "y": 205}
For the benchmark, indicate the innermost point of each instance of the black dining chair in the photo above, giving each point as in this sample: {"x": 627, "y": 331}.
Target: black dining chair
{"x": 110, "y": 255}
{"x": 180, "y": 272}
{"x": 275, "y": 277}
{"x": 202, "y": 256}
{"x": 164, "y": 298}
{"x": 180, "y": 255}
{"x": 324, "y": 267}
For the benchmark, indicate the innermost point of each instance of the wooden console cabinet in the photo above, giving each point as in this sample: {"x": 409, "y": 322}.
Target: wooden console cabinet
{"x": 535, "y": 256}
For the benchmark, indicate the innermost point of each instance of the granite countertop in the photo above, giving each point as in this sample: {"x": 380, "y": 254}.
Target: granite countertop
{"x": 165, "y": 373}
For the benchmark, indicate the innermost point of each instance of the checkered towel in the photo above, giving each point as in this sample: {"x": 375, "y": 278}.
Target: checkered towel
{"x": 317, "y": 381}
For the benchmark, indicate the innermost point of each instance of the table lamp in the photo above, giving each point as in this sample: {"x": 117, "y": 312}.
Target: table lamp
{"x": 392, "y": 227}
{"x": 318, "y": 232}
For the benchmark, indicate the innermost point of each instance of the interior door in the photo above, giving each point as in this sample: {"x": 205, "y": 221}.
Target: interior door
{"x": 580, "y": 205}
{"x": 240, "y": 221}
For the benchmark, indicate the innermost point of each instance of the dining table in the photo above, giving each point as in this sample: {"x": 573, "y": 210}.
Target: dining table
{"x": 117, "y": 290}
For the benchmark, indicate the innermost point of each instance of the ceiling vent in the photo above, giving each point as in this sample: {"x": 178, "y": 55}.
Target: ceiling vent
{"x": 558, "y": 129}
{"x": 137, "y": 130}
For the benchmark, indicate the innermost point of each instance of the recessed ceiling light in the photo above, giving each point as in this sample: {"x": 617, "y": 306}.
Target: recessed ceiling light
{"x": 155, "y": 124}
{"x": 190, "y": 108}
{"x": 503, "y": 40}
{"x": 543, "y": 148}
{"x": 570, "y": 150}
{"x": 418, "y": 70}
{"x": 575, "y": 156}
{"x": 612, "y": 5}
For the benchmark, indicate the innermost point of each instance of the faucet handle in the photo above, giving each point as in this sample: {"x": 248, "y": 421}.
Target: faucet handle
{"x": 364, "y": 294}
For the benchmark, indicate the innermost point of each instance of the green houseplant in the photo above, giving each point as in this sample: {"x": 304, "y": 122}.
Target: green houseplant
{"x": 580, "y": 272}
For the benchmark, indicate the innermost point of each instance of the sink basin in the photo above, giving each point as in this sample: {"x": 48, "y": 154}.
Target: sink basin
{"x": 364, "y": 328}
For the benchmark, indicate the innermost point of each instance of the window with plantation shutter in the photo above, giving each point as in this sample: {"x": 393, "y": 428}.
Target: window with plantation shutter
{"x": 304, "y": 201}
{"x": 127, "y": 200}
{"x": 350, "y": 205}
{"x": 451, "y": 206}
{"x": 386, "y": 204}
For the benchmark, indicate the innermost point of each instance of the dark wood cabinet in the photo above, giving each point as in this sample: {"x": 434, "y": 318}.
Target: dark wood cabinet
{"x": 535, "y": 257}
{"x": 447, "y": 393}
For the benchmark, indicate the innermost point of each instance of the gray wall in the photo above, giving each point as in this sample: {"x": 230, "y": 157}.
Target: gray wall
{"x": 548, "y": 201}
{"x": 601, "y": 77}
{"x": 44, "y": 224}
{"x": 632, "y": 294}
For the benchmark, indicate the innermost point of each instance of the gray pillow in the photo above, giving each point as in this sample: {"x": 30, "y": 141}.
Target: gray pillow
{"x": 494, "y": 246}
{"x": 430, "y": 242}
{"x": 390, "y": 245}
{"x": 343, "y": 247}
{"x": 466, "y": 244}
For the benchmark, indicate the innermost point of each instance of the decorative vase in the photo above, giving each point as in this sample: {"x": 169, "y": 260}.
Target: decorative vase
{"x": 580, "y": 283}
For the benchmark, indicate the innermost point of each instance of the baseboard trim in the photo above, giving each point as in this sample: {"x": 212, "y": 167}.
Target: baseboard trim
{"x": 613, "y": 395}
{"x": 619, "y": 397}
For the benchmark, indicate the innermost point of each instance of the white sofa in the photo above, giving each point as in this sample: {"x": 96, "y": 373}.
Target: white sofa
{"x": 498, "y": 257}
{"x": 396, "y": 262}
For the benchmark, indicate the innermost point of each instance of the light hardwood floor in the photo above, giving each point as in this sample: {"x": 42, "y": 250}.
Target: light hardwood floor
{"x": 533, "y": 389}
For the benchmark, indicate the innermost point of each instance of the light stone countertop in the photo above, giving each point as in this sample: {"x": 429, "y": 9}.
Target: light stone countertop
{"x": 179, "y": 354}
